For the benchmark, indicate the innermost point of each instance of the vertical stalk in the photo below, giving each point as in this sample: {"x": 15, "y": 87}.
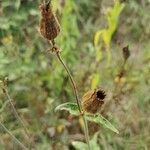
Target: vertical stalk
{"x": 86, "y": 131}
{"x": 5, "y": 91}
{"x": 14, "y": 110}
{"x": 72, "y": 81}
{"x": 21, "y": 144}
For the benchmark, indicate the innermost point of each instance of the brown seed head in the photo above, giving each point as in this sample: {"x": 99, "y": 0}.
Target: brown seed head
{"x": 93, "y": 100}
{"x": 49, "y": 25}
{"x": 126, "y": 53}
{"x": 62, "y": 3}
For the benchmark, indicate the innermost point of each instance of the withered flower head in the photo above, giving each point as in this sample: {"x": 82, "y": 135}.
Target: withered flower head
{"x": 49, "y": 25}
{"x": 93, "y": 100}
{"x": 126, "y": 53}
{"x": 62, "y": 3}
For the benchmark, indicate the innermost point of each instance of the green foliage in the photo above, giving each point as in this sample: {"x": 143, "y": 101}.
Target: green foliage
{"x": 97, "y": 118}
{"x": 106, "y": 34}
{"x": 95, "y": 80}
{"x": 93, "y": 144}
{"x": 71, "y": 107}
{"x": 103, "y": 37}
{"x": 68, "y": 40}
{"x": 38, "y": 83}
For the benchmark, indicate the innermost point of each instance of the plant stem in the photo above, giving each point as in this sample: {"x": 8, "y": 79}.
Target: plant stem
{"x": 72, "y": 81}
{"x": 86, "y": 131}
{"x": 5, "y": 91}
{"x": 21, "y": 145}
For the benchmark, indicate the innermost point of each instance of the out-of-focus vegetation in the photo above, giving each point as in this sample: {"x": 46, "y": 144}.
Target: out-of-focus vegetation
{"x": 38, "y": 83}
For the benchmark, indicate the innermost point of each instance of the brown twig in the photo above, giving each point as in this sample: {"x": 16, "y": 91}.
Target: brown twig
{"x": 21, "y": 144}
{"x": 5, "y": 91}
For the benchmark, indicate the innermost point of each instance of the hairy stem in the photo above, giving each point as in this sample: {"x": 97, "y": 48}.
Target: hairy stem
{"x": 72, "y": 81}
{"x": 77, "y": 98}
{"x": 6, "y": 130}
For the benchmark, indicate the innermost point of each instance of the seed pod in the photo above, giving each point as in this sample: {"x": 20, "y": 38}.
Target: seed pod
{"x": 49, "y": 25}
{"x": 93, "y": 100}
{"x": 126, "y": 53}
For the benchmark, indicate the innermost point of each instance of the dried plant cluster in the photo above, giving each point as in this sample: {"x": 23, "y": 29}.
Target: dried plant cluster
{"x": 50, "y": 28}
{"x": 49, "y": 25}
{"x": 108, "y": 90}
{"x": 93, "y": 100}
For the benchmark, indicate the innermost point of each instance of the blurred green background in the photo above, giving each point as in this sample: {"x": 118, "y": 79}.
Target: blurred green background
{"x": 38, "y": 83}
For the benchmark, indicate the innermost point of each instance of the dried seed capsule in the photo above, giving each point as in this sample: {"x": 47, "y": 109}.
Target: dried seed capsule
{"x": 93, "y": 100}
{"x": 49, "y": 25}
{"x": 126, "y": 53}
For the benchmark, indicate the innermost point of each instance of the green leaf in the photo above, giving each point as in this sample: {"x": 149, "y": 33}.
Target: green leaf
{"x": 93, "y": 144}
{"x": 95, "y": 80}
{"x": 103, "y": 37}
{"x": 97, "y": 37}
{"x": 79, "y": 145}
{"x": 99, "y": 119}
{"x": 71, "y": 107}
{"x": 17, "y": 4}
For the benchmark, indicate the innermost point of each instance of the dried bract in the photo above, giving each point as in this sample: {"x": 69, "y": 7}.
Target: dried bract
{"x": 126, "y": 53}
{"x": 93, "y": 100}
{"x": 49, "y": 25}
